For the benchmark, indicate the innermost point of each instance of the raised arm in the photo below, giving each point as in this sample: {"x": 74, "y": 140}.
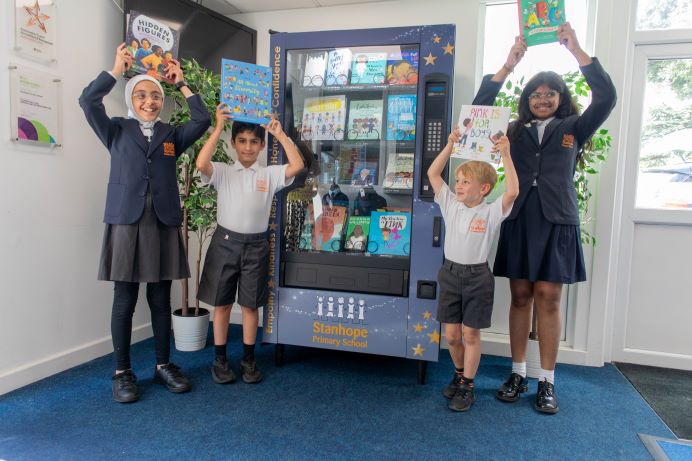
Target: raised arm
{"x": 295, "y": 161}
{"x": 91, "y": 100}
{"x": 603, "y": 94}
{"x": 511, "y": 179}
{"x": 515, "y": 54}
{"x": 203, "y": 162}
{"x": 199, "y": 122}
{"x": 438, "y": 165}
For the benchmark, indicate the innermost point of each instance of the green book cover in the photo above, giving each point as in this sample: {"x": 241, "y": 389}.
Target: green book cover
{"x": 540, "y": 19}
{"x": 357, "y": 233}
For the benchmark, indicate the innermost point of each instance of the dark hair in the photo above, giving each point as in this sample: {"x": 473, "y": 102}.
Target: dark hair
{"x": 146, "y": 40}
{"x": 565, "y": 108}
{"x": 240, "y": 127}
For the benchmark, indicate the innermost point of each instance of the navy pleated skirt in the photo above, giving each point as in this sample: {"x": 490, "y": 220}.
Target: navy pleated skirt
{"x": 146, "y": 251}
{"x": 532, "y": 248}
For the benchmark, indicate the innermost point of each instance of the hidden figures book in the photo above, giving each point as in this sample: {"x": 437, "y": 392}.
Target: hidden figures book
{"x": 540, "y": 19}
{"x": 245, "y": 90}
{"x": 152, "y": 44}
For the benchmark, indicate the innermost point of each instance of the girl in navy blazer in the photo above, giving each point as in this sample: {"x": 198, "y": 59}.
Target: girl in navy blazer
{"x": 539, "y": 248}
{"x": 142, "y": 240}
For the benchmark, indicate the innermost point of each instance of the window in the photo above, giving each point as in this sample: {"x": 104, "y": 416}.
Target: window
{"x": 658, "y": 15}
{"x": 665, "y": 154}
{"x": 501, "y": 26}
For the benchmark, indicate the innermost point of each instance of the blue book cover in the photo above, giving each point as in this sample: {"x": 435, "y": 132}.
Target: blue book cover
{"x": 245, "y": 89}
{"x": 390, "y": 233}
{"x": 402, "y": 67}
{"x": 401, "y": 117}
{"x": 368, "y": 68}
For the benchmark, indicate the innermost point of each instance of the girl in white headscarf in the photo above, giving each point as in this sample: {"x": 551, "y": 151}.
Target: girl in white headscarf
{"x": 142, "y": 240}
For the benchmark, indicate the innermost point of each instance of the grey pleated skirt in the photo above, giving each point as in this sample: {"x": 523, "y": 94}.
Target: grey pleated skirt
{"x": 146, "y": 251}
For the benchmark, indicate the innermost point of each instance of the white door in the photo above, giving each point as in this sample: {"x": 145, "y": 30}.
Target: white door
{"x": 653, "y": 312}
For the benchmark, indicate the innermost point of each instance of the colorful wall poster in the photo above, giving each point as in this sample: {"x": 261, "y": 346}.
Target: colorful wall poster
{"x": 245, "y": 90}
{"x": 357, "y": 230}
{"x": 324, "y": 118}
{"x": 540, "y": 19}
{"x": 338, "y": 66}
{"x": 365, "y": 119}
{"x": 481, "y": 127}
{"x": 368, "y": 68}
{"x": 401, "y": 117}
{"x": 35, "y": 110}
{"x": 152, "y": 43}
{"x": 402, "y": 66}
{"x": 399, "y": 173}
{"x": 315, "y": 67}
{"x": 390, "y": 233}
{"x": 35, "y": 23}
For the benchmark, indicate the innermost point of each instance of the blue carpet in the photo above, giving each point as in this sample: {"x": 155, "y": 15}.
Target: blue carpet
{"x": 320, "y": 405}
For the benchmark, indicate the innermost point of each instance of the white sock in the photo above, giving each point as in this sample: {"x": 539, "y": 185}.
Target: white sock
{"x": 519, "y": 368}
{"x": 547, "y": 375}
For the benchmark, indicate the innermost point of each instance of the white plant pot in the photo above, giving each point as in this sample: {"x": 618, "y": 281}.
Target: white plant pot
{"x": 190, "y": 332}
{"x": 533, "y": 359}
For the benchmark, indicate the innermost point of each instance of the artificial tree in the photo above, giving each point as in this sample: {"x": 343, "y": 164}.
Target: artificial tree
{"x": 198, "y": 201}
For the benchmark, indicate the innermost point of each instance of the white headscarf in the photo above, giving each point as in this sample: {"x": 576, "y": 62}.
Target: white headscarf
{"x": 146, "y": 126}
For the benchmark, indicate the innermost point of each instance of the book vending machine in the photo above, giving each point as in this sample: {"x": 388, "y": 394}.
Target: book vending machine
{"x": 355, "y": 249}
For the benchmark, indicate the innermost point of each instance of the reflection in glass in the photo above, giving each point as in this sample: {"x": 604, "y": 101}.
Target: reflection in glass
{"x": 665, "y": 156}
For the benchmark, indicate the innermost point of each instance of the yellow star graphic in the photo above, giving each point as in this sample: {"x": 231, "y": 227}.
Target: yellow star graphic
{"x": 36, "y": 17}
{"x": 437, "y": 39}
{"x": 448, "y": 49}
{"x": 430, "y": 59}
{"x": 434, "y": 337}
{"x": 271, "y": 283}
{"x": 273, "y": 226}
{"x": 418, "y": 350}
{"x": 427, "y": 315}
{"x": 418, "y": 327}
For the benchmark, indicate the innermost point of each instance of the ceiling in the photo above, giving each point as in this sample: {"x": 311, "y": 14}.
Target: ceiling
{"x": 228, "y": 7}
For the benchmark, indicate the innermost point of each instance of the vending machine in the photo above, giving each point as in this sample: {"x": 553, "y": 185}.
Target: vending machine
{"x": 356, "y": 244}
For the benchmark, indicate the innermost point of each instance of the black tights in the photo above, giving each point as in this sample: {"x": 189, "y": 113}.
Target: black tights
{"x": 124, "y": 301}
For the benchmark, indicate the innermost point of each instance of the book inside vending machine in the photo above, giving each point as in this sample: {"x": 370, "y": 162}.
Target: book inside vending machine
{"x": 356, "y": 244}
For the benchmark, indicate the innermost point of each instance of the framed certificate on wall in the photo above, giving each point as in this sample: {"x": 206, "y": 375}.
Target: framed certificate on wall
{"x": 35, "y": 22}
{"x": 35, "y": 107}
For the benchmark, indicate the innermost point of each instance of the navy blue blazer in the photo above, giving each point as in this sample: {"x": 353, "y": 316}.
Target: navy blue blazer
{"x": 137, "y": 164}
{"x": 552, "y": 162}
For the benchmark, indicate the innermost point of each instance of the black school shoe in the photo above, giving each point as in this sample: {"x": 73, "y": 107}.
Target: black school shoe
{"x": 463, "y": 399}
{"x": 125, "y": 387}
{"x": 221, "y": 371}
{"x": 452, "y": 387}
{"x": 546, "y": 400}
{"x": 249, "y": 372}
{"x": 170, "y": 376}
{"x": 510, "y": 390}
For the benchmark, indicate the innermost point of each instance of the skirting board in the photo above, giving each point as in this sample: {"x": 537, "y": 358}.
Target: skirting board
{"x": 40, "y": 369}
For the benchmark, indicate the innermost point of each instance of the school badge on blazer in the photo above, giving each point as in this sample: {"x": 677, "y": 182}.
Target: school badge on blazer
{"x": 568, "y": 141}
{"x": 169, "y": 149}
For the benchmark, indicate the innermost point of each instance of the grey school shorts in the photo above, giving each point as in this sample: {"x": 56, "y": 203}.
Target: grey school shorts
{"x": 235, "y": 262}
{"x": 466, "y": 294}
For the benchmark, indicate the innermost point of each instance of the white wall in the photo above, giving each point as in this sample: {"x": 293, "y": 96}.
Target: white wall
{"x": 54, "y": 313}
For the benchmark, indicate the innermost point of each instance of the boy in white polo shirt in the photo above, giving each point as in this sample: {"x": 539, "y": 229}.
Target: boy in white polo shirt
{"x": 467, "y": 285}
{"x": 238, "y": 255}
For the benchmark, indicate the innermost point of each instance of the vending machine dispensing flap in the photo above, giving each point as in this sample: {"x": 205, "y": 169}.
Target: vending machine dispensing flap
{"x": 435, "y": 128}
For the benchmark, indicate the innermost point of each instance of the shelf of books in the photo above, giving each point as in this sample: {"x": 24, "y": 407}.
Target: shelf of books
{"x": 356, "y": 110}
{"x": 354, "y": 254}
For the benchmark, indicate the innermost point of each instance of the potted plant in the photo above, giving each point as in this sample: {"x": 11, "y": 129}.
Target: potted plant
{"x": 191, "y": 323}
{"x": 592, "y": 153}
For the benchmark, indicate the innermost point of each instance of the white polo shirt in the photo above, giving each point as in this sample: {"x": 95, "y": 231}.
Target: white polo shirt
{"x": 469, "y": 232}
{"x": 245, "y": 194}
